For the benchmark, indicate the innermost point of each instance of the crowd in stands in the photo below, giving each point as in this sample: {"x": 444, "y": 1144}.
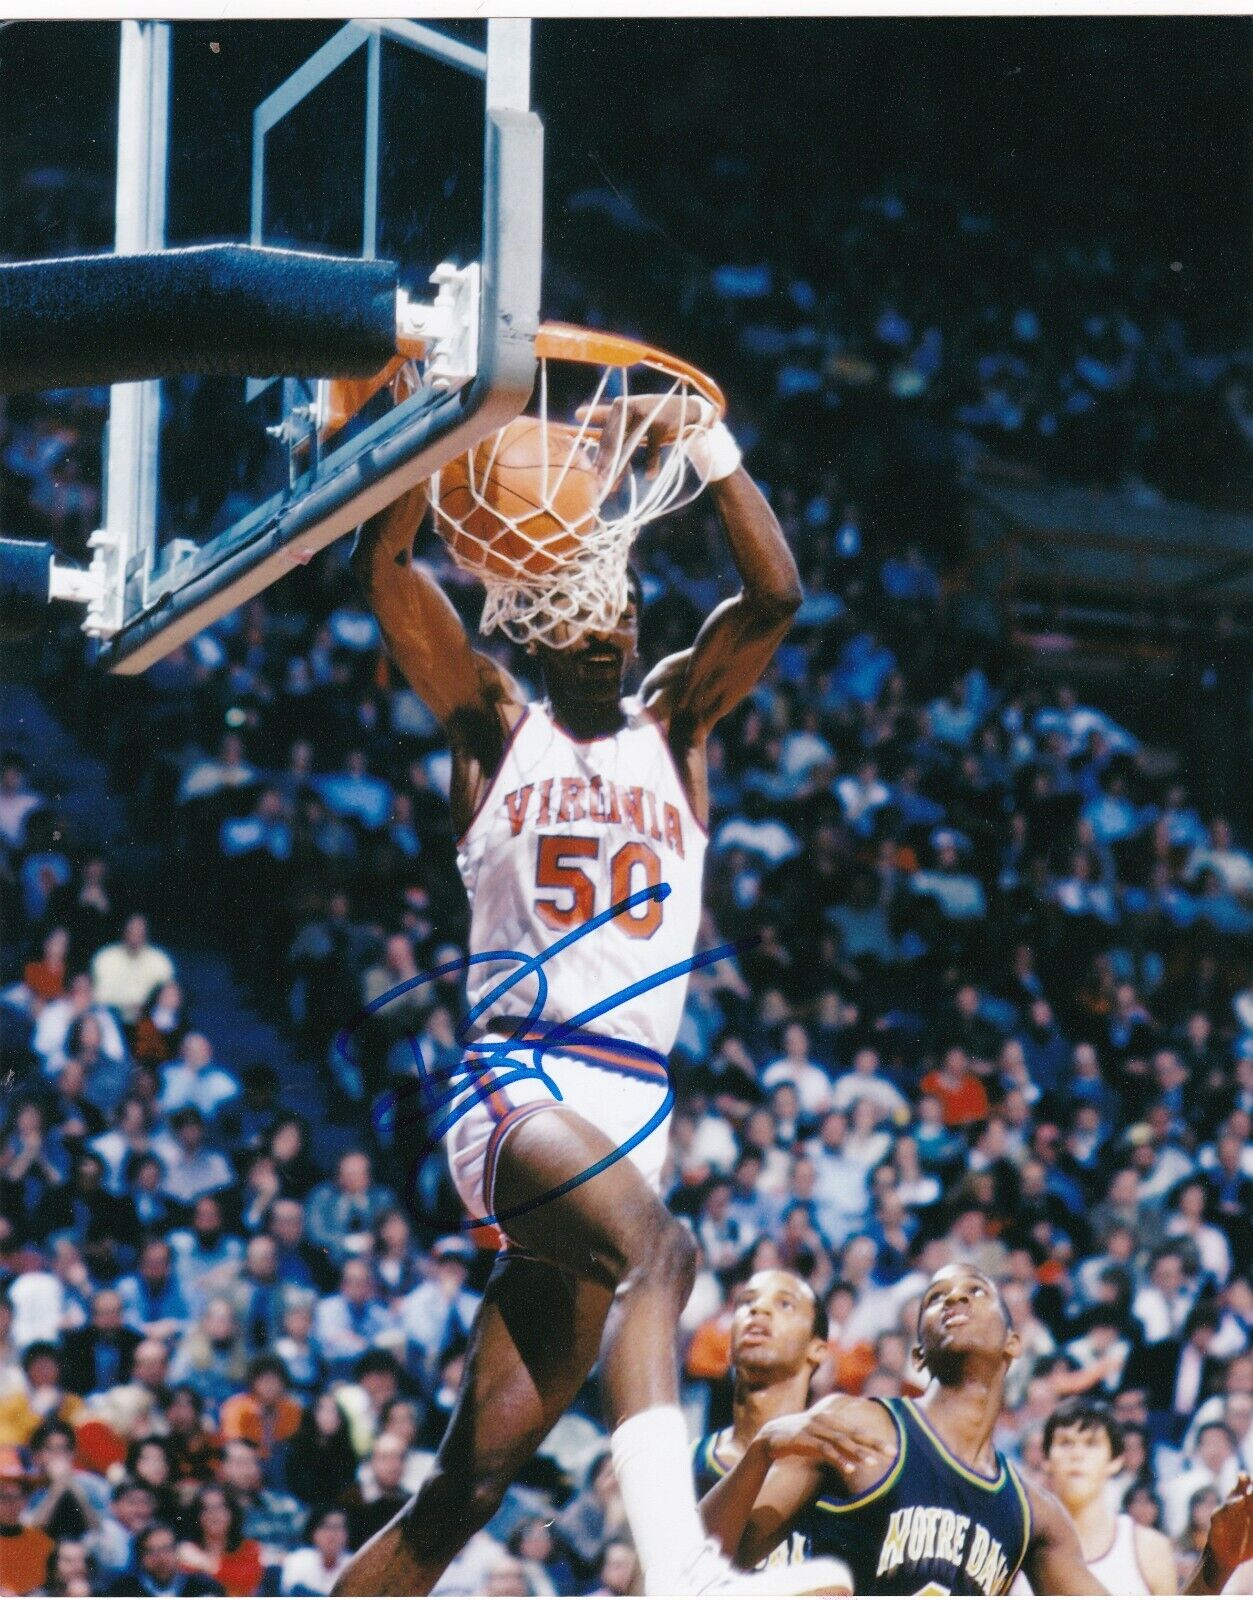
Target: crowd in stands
{"x": 993, "y": 999}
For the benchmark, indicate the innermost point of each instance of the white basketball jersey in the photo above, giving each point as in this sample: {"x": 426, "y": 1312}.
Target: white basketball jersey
{"x": 568, "y": 829}
{"x": 1119, "y": 1568}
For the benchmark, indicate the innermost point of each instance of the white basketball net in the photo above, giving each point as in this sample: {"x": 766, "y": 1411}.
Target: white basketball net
{"x": 586, "y": 591}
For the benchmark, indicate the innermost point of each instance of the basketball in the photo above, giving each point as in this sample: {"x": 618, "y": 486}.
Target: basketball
{"x": 517, "y": 505}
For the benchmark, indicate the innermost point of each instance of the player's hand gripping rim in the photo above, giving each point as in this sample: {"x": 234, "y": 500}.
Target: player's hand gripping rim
{"x": 652, "y": 421}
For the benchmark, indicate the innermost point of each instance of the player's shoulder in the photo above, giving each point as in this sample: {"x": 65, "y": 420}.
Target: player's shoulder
{"x": 1049, "y": 1518}
{"x": 1155, "y": 1555}
{"x": 879, "y": 1418}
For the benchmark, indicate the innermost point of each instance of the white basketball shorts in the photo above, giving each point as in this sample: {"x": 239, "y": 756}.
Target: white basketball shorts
{"x": 620, "y": 1087}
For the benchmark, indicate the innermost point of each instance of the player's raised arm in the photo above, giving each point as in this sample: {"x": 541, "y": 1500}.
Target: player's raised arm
{"x": 694, "y": 689}
{"x": 1054, "y": 1562}
{"x": 475, "y": 699}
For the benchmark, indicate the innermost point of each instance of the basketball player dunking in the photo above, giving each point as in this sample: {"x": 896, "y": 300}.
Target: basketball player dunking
{"x": 778, "y": 1341}
{"x": 934, "y": 1508}
{"x": 566, "y": 809}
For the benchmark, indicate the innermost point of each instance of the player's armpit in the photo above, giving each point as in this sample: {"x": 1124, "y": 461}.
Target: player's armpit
{"x": 1054, "y": 1562}
{"x": 465, "y": 689}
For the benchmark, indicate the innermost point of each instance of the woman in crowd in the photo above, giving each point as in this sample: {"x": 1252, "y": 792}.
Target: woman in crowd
{"x": 314, "y": 1569}
{"x": 321, "y": 1462}
{"x": 212, "y": 1360}
{"x": 216, "y": 1546}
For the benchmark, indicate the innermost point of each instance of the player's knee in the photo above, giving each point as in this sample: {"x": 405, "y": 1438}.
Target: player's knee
{"x": 460, "y": 1501}
{"x": 668, "y": 1258}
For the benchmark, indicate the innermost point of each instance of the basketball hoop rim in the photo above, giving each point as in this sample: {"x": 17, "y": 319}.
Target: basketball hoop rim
{"x": 565, "y": 341}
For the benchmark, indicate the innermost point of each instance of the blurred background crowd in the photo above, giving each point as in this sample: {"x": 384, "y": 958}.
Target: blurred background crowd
{"x": 993, "y": 999}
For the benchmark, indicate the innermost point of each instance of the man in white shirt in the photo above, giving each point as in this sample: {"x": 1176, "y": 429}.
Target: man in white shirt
{"x": 440, "y": 1311}
{"x": 794, "y": 1066}
{"x": 126, "y": 973}
{"x": 57, "y": 1018}
{"x": 1161, "y": 1307}
{"x": 1222, "y": 856}
{"x": 1214, "y": 1466}
{"x": 16, "y": 801}
{"x": 191, "y": 1168}
{"x": 195, "y": 1079}
{"x": 866, "y": 1082}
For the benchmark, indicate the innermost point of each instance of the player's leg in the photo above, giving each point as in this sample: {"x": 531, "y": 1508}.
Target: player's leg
{"x": 534, "y": 1342}
{"x": 614, "y": 1230}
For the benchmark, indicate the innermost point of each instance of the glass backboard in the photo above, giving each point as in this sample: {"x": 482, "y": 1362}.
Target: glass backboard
{"x": 391, "y": 140}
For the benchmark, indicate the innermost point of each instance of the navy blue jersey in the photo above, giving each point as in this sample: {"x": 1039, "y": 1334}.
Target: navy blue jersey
{"x": 932, "y": 1525}
{"x": 708, "y": 1463}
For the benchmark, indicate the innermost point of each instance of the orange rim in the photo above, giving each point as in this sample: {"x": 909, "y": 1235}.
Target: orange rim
{"x": 563, "y": 341}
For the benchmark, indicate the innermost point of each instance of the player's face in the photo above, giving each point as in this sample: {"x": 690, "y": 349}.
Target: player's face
{"x": 1079, "y": 1464}
{"x": 772, "y": 1329}
{"x": 961, "y": 1314}
{"x": 593, "y": 666}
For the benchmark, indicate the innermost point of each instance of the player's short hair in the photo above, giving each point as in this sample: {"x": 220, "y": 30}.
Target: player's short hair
{"x": 636, "y": 586}
{"x": 1089, "y": 1416}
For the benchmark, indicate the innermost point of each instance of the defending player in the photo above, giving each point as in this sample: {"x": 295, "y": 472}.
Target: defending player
{"x": 778, "y": 1341}
{"x": 1083, "y": 1451}
{"x": 949, "y": 1515}
{"x": 565, "y": 808}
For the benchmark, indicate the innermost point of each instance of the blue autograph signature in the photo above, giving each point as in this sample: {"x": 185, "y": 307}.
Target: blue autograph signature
{"x": 445, "y": 1094}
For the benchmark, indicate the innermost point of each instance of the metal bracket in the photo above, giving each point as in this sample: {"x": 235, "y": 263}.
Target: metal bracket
{"x": 99, "y": 587}
{"x": 448, "y": 328}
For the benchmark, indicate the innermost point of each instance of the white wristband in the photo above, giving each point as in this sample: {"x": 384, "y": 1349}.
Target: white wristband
{"x": 714, "y": 454}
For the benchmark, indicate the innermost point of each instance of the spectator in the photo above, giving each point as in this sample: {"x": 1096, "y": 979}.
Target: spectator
{"x": 349, "y": 1322}
{"x": 100, "y": 1355}
{"x": 373, "y": 1508}
{"x": 124, "y": 975}
{"x": 439, "y": 1312}
{"x": 157, "y": 1571}
{"x": 24, "y": 1551}
{"x": 962, "y": 1098}
{"x": 46, "y": 978}
{"x": 152, "y": 1298}
{"x": 866, "y": 1082}
{"x": 321, "y": 1461}
{"x": 71, "y": 1570}
{"x": 192, "y": 1169}
{"x": 794, "y": 1066}
{"x": 211, "y": 1359}
{"x": 342, "y": 1214}
{"x": 1214, "y": 1467}
{"x": 271, "y": 1518}
{"x": 315, "y": 1567}
{"x": 195, "y": 1079}
{"x": 71, "y": 1502}
{"x": 216, "y": 1548}
{"x": 132, "y": 1510}
{"x": 264, "y": 1415}
{"x": 41, "y": 1398}
{"x": 206, "y": 777}
{"x": 1162, "y": 1306}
